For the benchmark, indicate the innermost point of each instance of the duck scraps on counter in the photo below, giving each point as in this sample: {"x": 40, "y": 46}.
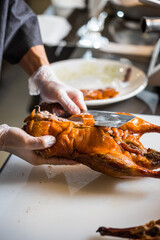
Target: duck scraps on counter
{"x": 149, "y": 231}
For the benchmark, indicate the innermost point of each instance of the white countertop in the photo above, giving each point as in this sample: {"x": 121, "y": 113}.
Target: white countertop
{"x": 71, "y": 202}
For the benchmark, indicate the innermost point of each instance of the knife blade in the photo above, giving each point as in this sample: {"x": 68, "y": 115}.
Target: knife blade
{"x": 110, "y": 119}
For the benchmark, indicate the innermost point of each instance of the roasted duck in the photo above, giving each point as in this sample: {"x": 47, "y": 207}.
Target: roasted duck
{"x": 113, "y": 151}
{"x": 148, "y": 231}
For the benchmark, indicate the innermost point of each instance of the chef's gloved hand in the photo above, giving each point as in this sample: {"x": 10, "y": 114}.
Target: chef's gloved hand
{"x": 45, "y": 83}
{"x": 16, "y": 141}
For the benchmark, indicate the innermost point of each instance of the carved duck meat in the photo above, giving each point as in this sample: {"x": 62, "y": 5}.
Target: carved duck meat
{"x": 99, "y": 93}
{"x": 150, "y": 231}
{"x": 114, "y": 151}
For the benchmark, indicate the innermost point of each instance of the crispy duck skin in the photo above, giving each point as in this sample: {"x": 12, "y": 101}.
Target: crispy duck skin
{"x": 112, "y": 151}
{"x": 148, "y": 231}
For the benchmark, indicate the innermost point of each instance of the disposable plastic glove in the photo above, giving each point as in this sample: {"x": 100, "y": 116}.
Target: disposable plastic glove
{"x": 45, "y": 83}
{"x": 16, "y": 141}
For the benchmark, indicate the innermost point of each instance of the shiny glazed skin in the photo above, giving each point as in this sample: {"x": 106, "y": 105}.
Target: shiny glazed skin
{"x": 113, "y": 151}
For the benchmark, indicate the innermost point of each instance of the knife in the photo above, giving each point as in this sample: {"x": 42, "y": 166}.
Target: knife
{"x": 110, "y": 119}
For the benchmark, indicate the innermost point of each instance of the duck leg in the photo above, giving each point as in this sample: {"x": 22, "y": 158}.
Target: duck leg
{"x": 115, "y": 164}
{"x": 140, "y": 126}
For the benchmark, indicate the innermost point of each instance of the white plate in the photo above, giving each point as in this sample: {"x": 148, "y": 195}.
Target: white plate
{"x": 101, "y": 73}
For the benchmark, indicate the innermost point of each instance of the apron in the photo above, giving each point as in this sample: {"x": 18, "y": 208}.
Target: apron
{"x": 19, "y": 30}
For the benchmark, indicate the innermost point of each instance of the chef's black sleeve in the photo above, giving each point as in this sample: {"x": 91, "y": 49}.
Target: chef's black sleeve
{"x": 22, "y": 31}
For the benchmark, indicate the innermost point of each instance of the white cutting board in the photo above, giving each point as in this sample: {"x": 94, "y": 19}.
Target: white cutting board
{"x": 71, "y": 202}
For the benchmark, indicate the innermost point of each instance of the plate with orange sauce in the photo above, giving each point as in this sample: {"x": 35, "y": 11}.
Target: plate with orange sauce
{"x": 102, "y": 81}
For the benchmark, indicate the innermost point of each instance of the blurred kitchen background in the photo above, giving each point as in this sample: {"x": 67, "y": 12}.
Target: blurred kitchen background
{"x": 114, "y": 26}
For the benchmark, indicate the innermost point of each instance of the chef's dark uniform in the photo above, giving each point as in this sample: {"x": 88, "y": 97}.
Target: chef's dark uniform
{"x": 19, "y": 30}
